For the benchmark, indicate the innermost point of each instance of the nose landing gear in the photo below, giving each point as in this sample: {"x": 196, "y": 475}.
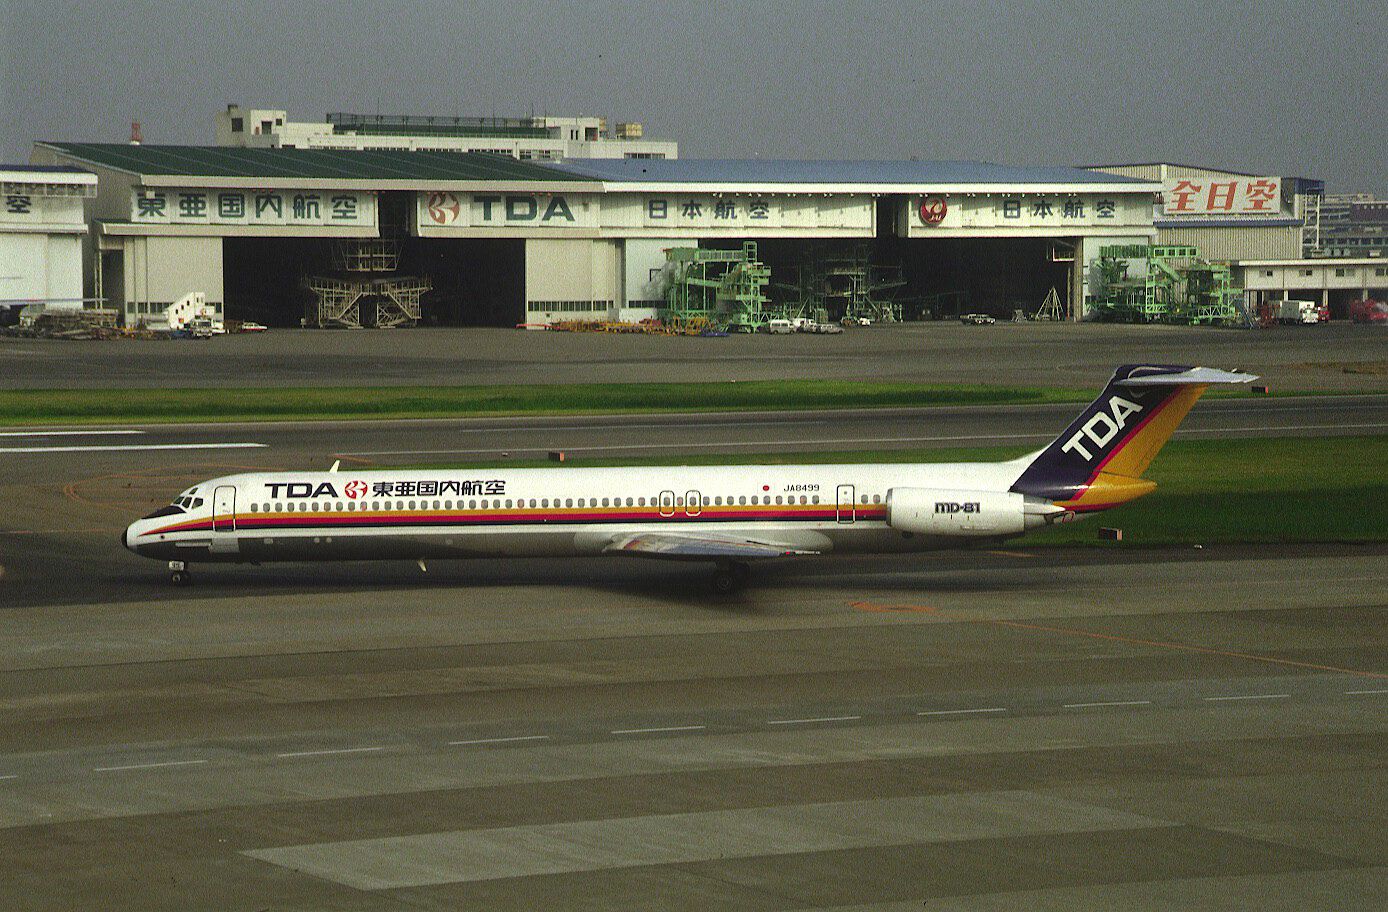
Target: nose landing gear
{"x": 179, "y": 574}
{"x": 729, "y": 577}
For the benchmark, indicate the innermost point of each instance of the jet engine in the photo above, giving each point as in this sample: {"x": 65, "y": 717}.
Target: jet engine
{"x": 938, "y": 511}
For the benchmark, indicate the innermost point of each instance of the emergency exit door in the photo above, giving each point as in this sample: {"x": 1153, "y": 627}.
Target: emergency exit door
{"x": 848, "y": 511}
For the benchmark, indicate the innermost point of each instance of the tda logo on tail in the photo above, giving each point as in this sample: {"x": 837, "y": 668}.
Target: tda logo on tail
{"x": 1101, "y": 428}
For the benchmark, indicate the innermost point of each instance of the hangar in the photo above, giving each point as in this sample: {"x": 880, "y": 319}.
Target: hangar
{"x": 41, "y": 229}
{"x": 389, "y": 237}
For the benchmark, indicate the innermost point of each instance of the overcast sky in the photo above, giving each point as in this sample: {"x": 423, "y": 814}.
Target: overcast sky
{"x": 1288, "y": 89}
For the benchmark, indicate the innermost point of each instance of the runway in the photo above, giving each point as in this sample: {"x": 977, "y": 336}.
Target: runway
{"x": 1025, "y": 728}
{"x": 1336, "y": 356}
{"x": 983, "y": 731}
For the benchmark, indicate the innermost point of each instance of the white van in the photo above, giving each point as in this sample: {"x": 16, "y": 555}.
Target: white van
{"x": 779, "y": 327}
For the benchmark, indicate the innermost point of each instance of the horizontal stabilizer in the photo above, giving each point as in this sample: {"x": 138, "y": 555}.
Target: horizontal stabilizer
{"x": 1201, "y": 375}
{"x": 684, "y": 546}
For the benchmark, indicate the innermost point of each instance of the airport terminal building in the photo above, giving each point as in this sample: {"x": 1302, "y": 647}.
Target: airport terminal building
{"x": 395, "y": 236}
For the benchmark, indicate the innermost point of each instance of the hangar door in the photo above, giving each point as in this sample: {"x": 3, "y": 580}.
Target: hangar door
{"x": 571, "y": 279}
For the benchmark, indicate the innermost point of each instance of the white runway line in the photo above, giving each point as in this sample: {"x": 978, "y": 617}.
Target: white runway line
{"x": 133, "y": 447}
{"x": 1382, "y": 690}
{"x": 961, "y": 712}
{"x": 667, "y": 728}
{"x": 808, "y": 721}
{"x": 145, "y": 766}
{"x": 1249, "y": 697}
{"x": 67, "y": 433}
{"x": 338, "y": 750}
{"x": 1109, "y": 703}
{"x": 500, "y": 740}
{"x": 10, "y": 776}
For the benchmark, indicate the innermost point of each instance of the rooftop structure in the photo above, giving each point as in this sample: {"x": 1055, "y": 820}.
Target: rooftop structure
{"x": 1351, "y": 225}
{"x": 541, "y": 138}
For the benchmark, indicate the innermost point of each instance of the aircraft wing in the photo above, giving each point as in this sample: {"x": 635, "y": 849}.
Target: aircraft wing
{"x": 700, "y": 546}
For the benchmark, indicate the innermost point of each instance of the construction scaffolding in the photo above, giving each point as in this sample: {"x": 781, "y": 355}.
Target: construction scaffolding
{"x": 348, "y": 302}
{"x": 363, "y": 292}
{"x": 848, "y": 289}
{"x": 715, "y": 289}
{"x": 1172, "y": 284}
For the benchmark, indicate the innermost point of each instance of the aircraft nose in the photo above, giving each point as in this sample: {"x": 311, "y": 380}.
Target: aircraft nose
{"x": 127, "y": 537}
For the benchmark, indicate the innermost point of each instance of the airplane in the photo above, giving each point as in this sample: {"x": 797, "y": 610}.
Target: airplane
{"x": 726, "y": 515}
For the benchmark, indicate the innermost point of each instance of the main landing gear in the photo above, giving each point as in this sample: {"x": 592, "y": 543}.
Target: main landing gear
{"x": 179, "y": 574}
{"x": 729, "y": 577}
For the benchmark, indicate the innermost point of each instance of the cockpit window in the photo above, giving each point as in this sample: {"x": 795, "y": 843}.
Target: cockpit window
{"x": 170, "y": 510}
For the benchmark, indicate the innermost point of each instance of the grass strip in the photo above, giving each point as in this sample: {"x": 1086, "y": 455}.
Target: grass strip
{"x": 27, "y": 407}
{"x": 1280, "y": 489}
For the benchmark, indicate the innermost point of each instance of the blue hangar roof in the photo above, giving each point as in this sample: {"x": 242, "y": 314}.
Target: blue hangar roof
{"x": 785, "y": 171}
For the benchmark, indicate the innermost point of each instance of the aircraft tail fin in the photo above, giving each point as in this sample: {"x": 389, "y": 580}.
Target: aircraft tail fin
{"x": 1098, "y": 461}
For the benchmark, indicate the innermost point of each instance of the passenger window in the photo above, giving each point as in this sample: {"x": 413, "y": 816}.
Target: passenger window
{"x": 568, "y": 501}
{"x": 253, "y": 508}
{"x": 640, "y": 501}
{"x": 606, "y": 502}
{"x": 877, "y": 498}
{"x": 472, "y": 505}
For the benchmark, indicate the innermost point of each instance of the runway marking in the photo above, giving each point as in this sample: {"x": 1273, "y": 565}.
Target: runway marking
{"x": 133, "y": 447}
{"x": 55, "y": 531}
{"x": 666, "y": 728}
{"x": 10, "y": 776}
{"x": 338, "y": 750}
{"x": 873, "y": 606}
{"x": 1108, "y": 703}
{"x": 142, "y": 766}
{"x": 960, "y": 712}
{"x": 1357, "y": 692}
{"x": 501, "y": 740}
{"x": 1248, "y": 697}
{"x": 1011, "y": 554}
{"x": 822, "y": 441}
{"x": 1184, "y": 647}
{"x": 68, "y": 433}
{"x": 808, "y": 721}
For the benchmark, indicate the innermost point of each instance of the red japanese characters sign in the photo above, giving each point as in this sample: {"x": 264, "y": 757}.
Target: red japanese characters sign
{"x": 1224, "y": 195}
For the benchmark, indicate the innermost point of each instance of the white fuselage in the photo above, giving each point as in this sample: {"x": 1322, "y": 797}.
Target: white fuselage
{"x": 415, "y": 514}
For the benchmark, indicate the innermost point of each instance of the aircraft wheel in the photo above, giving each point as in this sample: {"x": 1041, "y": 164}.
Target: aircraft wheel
{"x": 180, "y": 577}
{"x": 729, "y": 577}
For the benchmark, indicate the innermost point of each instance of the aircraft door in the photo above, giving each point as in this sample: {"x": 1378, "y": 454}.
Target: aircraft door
{"x": 693, "y": 503}
{"x": 667, "y": 503}
{"x": 848, "y": 510}
{"x": 224, "y": 509}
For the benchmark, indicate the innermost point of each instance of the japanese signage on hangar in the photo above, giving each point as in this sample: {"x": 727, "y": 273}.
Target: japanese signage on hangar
{"x": 440, "y": 210}
{"x": 1208, "y": 196}
{"x": 1029, "y": 213}
{"x": 295, "y": 208}
{"x": 658, "y": 214}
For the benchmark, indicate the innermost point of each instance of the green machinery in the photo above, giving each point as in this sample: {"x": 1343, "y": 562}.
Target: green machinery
{"x": 1175, "y": 286}
{"x": 715, "y": 289}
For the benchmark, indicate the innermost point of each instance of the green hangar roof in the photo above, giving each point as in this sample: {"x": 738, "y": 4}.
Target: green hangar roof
{"x": 385, "y": 168}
